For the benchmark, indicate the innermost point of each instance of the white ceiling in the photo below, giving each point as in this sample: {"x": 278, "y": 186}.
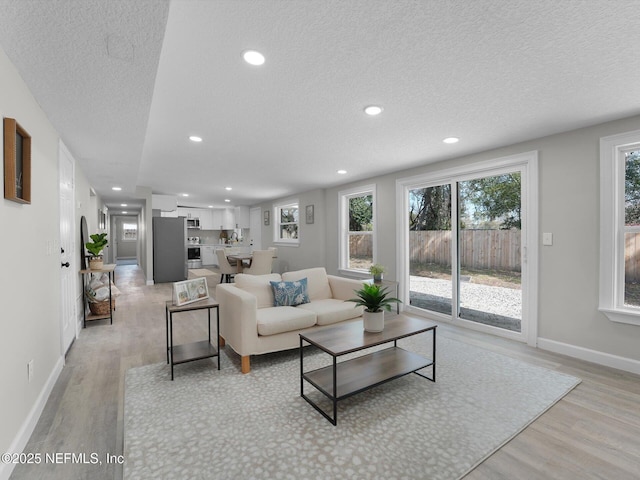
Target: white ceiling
{"x": 126, "y": 82}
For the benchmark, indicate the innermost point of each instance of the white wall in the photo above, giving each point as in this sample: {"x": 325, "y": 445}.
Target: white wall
{"x": 569, "y": 321}
{"x": 30, "y": 284}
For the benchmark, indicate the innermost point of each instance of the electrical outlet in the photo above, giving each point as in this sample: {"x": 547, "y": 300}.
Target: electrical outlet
{"x": 30, "y": 370}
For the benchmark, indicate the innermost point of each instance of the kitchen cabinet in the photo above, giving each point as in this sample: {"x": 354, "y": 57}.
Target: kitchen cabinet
{"x": 206, "y": 219}
{"x": 241, "y": 217}
{"x": 223, "y": 219}
{"x": 208, "y": 255}
{"x": 204, "y": 214}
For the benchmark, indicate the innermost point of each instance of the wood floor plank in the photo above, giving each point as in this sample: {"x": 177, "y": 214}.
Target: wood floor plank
{"x": 592, "y": 433}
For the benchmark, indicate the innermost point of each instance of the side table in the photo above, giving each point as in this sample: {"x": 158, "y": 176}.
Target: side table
{"x": 190, "y": 352}
{"x": 110, "y": 270}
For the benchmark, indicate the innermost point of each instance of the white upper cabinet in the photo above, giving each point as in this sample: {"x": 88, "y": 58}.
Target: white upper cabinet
{"x": 206, "y": 219}
{"x": 242, "y": 217}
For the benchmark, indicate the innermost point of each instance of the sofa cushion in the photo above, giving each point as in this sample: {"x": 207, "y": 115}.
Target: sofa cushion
{"x": 259, "y": 286}
{"x": 290, "y": 293}
{"x": 330, "y": 311}
{"x": 317, "y": 282}
{"x": 283, "y": 319}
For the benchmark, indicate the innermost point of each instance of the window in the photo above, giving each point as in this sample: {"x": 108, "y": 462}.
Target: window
{"x": 129, "y": 231}
{"x": 620, "y": 227}
{"x": 287, "y": 223}
{"x": 357, "y": 229}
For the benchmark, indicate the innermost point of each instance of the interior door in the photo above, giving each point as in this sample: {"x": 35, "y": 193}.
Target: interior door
{"x": 68, "y": 267}
{"x": 255, "y": 225}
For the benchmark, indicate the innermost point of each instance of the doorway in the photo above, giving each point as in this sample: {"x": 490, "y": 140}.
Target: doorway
{"x": 125, "y": 228}
{"x": 68, "y": 268}
{"x": 469, "y": 254}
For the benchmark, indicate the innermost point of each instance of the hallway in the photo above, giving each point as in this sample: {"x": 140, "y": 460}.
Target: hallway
{"x": 85, "y": 410}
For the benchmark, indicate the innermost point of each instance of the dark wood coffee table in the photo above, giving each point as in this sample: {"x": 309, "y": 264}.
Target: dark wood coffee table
{"x": 344, "y": 379}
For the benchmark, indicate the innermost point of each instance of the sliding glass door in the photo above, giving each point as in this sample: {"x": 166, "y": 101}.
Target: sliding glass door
{"x": 466, "y": 246}
{"x": 430, "y": 281}
{"x": 489, "y": 250}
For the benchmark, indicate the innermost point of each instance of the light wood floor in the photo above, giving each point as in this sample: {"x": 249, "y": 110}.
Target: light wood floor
{"x": 592, "y": 433}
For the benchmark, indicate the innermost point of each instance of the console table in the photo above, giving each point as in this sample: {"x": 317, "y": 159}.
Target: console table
{"x": 110, "y": 270}
{"x": 190, "y": 352}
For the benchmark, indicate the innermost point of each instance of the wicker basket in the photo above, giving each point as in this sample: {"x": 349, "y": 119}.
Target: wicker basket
{"x": 102, "y": 308}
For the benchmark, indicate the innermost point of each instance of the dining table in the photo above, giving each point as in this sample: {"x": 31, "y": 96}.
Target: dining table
{"x": 240, "y": 259}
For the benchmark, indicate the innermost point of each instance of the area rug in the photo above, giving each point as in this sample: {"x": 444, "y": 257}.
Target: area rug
{"x": 202, "y": 272}
{"x": 210, "y": 424}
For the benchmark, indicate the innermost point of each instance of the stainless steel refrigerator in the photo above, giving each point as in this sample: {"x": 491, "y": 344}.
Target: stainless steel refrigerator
{"x": 169, "y": 249}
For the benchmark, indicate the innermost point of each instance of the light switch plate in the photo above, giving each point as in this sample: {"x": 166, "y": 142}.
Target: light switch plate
{"x": 547, "y": 239}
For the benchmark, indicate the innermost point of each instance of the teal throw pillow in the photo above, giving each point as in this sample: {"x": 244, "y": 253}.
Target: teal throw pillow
{"x": 290, "y": 293}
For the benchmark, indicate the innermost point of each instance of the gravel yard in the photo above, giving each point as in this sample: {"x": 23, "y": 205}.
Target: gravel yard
{"x": 502, "y": 301}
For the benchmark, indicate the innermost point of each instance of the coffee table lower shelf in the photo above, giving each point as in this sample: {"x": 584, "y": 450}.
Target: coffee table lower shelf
{"x": 365, "y": 372}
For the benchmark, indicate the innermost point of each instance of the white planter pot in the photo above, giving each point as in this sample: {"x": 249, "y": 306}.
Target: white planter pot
{"x": 373, "y": 321}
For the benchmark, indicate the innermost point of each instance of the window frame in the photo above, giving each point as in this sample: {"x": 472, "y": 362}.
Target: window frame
{"x": 277, "y": 239}
{"x": 344, "y": 233}
{"x": 612, "y": 226}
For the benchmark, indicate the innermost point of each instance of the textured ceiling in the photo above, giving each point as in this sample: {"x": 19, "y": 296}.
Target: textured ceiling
{"x": 490, "y": 72}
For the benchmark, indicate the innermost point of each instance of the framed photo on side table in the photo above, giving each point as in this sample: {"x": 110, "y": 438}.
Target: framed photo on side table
{"x": 189, "y": 291}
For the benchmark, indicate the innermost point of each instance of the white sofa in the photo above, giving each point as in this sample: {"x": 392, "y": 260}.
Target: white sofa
{"x": 252, "y": 325}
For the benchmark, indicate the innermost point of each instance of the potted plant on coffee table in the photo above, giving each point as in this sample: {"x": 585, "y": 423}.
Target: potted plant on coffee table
{"x": 375, "y": 301}
{"x": 95, "y": 249}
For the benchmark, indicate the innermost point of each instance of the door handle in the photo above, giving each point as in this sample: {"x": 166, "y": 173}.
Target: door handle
{"x": 66, "y": 264}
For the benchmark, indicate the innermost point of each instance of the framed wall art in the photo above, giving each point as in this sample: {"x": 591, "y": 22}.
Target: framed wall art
{"x": 266, "y": 217}
{"x": 309, "y": 215}
{"x": 17, "y": 162}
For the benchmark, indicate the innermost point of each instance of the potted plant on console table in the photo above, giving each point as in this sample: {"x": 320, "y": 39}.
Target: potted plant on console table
{"x": 374, "y": 300}
{"x": 95, "y": 249}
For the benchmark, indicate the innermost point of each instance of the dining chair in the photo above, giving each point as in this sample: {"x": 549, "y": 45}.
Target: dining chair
{"x": 260, "y": 263}
{"x": 226, "y": 269}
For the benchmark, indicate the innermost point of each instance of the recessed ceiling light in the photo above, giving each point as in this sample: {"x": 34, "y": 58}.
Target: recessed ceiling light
{"x": 228, "y": 188}
{"x": 342, "y": 172}
{"x": 117, "y": 189}
{"x": 373, "y": 110}
{"x": 124, "y": 212}
{"x": 253, "y": 58}
{"x": 195, "y": 138}
{"x": 210, "y": 206}
{"x": 185, "y": 194}
{"x": 124, "y": 205}
{"x": 227, "y": 200}
{"x": 451, "y": 140}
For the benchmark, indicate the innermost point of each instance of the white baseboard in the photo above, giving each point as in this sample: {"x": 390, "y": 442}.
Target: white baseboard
{"x": 594, "y": 356}
{"x": 22, "y": 438}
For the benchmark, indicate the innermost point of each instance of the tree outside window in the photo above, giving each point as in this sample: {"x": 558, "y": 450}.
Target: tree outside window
{"x": 357, "y": 220}
{"x": 287, "y": 223}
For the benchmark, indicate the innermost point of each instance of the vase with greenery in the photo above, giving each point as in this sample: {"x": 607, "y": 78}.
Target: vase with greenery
{"x": 375, "y": 301}
{"x": 376, "y": 270}
{"x": 95, "y": 249}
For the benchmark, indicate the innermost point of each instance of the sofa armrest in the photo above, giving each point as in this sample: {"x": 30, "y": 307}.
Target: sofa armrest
{"x": 344, "y": 288}
{"x": 238, "y": 324}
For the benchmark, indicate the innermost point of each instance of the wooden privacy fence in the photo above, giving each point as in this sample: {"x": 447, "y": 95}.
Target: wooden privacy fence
{"x": 481, "y": 249}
